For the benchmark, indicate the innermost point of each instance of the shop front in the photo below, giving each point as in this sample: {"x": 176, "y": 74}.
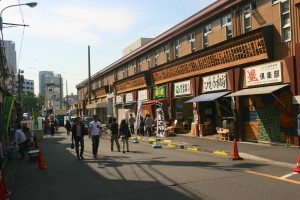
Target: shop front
{"x": 184, "y": 115}
{"x": 266, "y": 103}
{"x": 215, "y": 110}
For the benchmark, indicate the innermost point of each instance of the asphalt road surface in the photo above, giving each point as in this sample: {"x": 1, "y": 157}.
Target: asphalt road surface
{"x": 146, "y": 173}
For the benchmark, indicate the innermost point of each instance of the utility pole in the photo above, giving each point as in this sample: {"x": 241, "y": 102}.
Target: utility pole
{"x": 90, "y": 84}
{"x": 67, "y": 98}
{"x": 60, "y": 92}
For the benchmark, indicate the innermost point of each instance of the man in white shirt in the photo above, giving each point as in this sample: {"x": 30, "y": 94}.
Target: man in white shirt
{"x": 20, "y": 140}
{"x": 94, "y": 130}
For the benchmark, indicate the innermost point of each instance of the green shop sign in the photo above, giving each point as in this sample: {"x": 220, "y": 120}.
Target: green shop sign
{"x": 159, "y": 92}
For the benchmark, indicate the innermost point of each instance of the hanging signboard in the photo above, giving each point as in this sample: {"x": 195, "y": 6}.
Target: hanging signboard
{"x": 214, "y": 83}
{"x": 129, "y": 97}
{"x": 182, "y": 88}
{"x": 119, "y": 99}
{"x": 264, "y": 74}
{"x": 143, "y": 95}
{"x": 159, "y": 92}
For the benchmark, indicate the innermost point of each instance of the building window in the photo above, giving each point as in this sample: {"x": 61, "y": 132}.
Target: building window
{"x": 123, "y": 72}
{"x": 248, "y": 10}
{"x": 117, "y": 75}
{"x": 148, "y": 61}
{"x": 106, "y": 77}
{"x": 275, "y": 1}
{"x": 206, "y": 31}
{"x": 156, "y": 57}
{"x": 177, "y": 45}
{"x": 285, "y": 21}
{"x": 191, "y": 40}
{"x": 167, "y": 52}
{"x": 226, "y": 22}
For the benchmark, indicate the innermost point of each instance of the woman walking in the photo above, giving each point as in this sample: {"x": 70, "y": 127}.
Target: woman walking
{"x": 124, "y": 134}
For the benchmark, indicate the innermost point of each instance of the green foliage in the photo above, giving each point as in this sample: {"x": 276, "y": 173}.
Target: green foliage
{"x": 30, "y": 100}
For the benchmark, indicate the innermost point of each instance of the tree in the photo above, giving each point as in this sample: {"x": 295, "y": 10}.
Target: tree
{"x": 30, "y": 100}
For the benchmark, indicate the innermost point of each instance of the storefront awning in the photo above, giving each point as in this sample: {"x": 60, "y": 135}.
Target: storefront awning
{"x": 97, "y": 105}
{"x": 259, "y": 90}
{"x": 207, "y": 97}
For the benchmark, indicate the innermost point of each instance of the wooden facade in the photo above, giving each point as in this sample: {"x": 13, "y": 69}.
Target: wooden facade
{"x": 225, "y": 38}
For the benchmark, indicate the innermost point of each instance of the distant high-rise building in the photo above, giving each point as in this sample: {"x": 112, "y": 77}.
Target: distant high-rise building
{"x": 51, "y": 88}
{"x": 27, "y": 85}
{"x": 11, "y": 55}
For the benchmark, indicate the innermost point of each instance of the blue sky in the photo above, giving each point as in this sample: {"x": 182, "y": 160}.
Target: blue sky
{"x": 60, "y": 32}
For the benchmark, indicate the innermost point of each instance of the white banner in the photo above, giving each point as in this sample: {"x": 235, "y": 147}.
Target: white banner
{"x": 143, "y": 95}
{"x": 160, "y": 122}
{"x": 128, "y": 97}
{"x": 182, "y": 88}
{"x": 264, "y": 74}
{"x": 119, "y": 99}
{"x": 138, "y": 114}
{"x": 215, "y": 82}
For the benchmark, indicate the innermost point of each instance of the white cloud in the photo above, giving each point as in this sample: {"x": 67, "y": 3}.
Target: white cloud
{"x": 77, "y": 23}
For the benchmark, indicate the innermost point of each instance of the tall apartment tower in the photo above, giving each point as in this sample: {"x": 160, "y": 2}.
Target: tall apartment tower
{"x": 11, "y": 55}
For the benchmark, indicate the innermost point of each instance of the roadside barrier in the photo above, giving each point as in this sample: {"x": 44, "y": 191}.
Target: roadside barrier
{"x": 4, "y": 192}
{"x": 235, "y": 152}
{"x": 41, "y": 161}
{"x": 297, "y": 168}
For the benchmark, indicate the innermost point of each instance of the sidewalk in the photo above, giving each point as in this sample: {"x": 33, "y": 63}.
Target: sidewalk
{"x": 277, "y": 155}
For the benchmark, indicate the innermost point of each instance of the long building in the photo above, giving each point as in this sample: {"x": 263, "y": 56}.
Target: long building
{"x": 232, "y": 66}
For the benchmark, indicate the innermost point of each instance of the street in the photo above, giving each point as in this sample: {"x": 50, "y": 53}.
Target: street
{"x": 145, "y": 173}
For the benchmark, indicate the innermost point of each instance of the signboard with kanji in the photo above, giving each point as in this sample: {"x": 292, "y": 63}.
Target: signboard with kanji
{"x": 159, "y": 92}
{"x": 264, "y": 74}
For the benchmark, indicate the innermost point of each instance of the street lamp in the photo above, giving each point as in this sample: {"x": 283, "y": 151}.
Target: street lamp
{"x": 31, "y": 5}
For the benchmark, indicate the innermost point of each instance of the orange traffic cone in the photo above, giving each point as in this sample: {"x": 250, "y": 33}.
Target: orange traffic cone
{"x": 36, "y": 145}
{"x": 3, "y": 188}
{"x": 297, "y": 168}
{"x": 41, "y": 161}
{"x": 235, "y": 152}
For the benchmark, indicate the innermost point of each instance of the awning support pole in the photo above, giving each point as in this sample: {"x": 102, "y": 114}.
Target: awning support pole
{"x": 280, "y": 101}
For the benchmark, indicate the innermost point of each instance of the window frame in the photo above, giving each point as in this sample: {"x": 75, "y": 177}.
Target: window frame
{"x": 207, "y": 29}
{"x": 191, "y": 40}
{"x": 177, "y": 44}
{"x": 285, "y": 26}
{"x": 167, "y": 52}
{"x": 227, "y": 24}
{"x": 247, "y": 14}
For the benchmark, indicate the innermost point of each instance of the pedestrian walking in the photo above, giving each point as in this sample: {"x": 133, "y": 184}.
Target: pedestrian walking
{"x": 142, "y": 126}
{"x": 148, "y": 124}
{"x": 21, "y": 141}
{"x": 46, "y": 127}
{"x": 124, "y": 134}
{"x": 68, "y": 127}
{"x": 78, "y": 132}
{"x": 94, "y": 131}
{"x": 114, "y": 134}
{"x": 131, "y": 124}
{"x": 52, "y": 125}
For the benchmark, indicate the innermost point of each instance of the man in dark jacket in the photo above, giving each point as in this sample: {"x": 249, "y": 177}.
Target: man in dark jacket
{"x": 78, "y": 132}
{"x": 114, "y": 134}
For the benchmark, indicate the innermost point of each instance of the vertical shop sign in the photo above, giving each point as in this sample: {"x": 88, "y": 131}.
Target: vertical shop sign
{"x": 159, "y": 92}
{"x": 138, "y": 114}
{"x": 263, "y": 74}
{"x": 8, "y": 104}
{"x": 215, "y": 82}
{"x": 160, "y": 120}
{"x": 182, "y": 88}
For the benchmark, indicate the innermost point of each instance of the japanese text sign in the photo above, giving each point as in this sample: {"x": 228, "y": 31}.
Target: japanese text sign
{"x": 182, "y": 88}
{"x": 264, "y": 74}
{"x": 215, "y": 82}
